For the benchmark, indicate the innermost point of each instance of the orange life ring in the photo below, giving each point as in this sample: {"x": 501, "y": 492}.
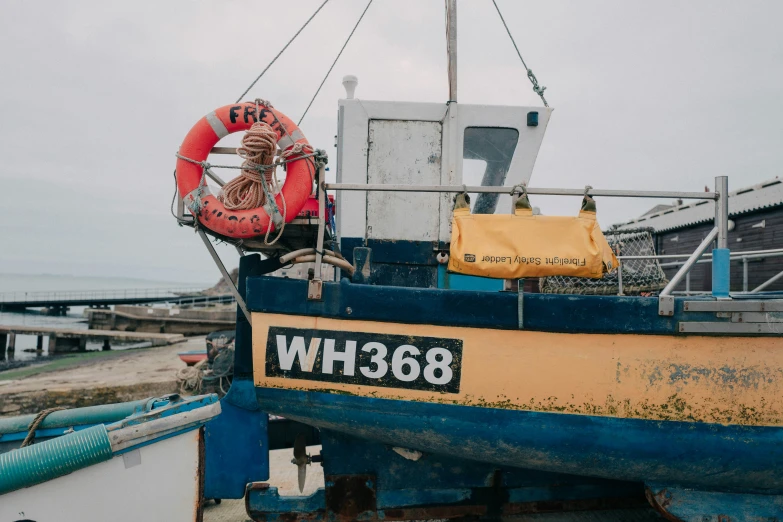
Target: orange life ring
{"x": 194, "y": 191}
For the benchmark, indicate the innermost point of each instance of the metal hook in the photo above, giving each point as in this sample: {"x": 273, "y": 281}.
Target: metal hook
{"x": 519, "y": 188}
{"x": 588, "y": 188}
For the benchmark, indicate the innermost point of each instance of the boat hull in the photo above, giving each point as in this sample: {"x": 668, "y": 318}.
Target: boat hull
{"x": 698, "y": 411}
{"x": 159, "y": 481}
{"x": 699, "y": 455}
{"x": 192, "y": 357}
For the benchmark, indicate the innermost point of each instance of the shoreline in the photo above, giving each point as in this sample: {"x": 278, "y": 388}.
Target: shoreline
{"x": 93, "y": 378}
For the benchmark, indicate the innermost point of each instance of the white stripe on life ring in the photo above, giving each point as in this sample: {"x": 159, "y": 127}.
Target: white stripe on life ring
{"x": 217, "y": 125}
{"x": 288, "y": 140}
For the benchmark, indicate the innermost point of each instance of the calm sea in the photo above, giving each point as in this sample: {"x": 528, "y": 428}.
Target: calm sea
{"x": 23, "y": 283}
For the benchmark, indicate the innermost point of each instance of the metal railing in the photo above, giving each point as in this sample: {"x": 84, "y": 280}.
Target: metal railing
{"x": 96, "y": 295}
{"x": 744, "y": 257}
{"x": 665, "y": 301}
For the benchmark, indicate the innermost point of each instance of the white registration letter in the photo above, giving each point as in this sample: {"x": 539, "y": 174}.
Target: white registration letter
{"x": 286, "y": 355}
{"x": 348, "y": 357}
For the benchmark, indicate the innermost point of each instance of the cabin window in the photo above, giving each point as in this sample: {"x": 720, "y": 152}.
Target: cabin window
{"x": 486, "y": 157}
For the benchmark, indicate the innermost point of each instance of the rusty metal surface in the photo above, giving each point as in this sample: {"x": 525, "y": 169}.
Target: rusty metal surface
{"x": 559, "y": 506}
{"x": 679, "y": 504}
{"x": 351, "y": 497}
{"x": 199, "y": 514}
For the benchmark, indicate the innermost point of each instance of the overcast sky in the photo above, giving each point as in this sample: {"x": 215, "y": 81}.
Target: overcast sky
{"x": 97, "y": 96}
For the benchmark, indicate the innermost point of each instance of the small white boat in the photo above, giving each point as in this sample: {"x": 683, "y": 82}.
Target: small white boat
{"x": 147, "y": 466}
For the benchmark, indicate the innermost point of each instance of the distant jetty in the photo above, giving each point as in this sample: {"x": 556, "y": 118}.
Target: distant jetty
{"x": 195, "y": 321}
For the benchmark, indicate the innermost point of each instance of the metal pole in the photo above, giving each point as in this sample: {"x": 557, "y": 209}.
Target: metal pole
{"x": 744, "y": 273}
{"x": 721, "y": 256}
{"x": 722, "y": 210}
{"x": 619, "y": 277}
{"x": 688, "y": 283}
{"x": 451, "y": 46}
{"x": 315, "y": 286}
{"x": 215, "y": 177}
{"x": 735, "y": 255}
{"x": 226, "y": 277}
{"x": 709, "y": 260}
{"x": 690, "y": 262}
{"x": 767, "y": 283}
{"x": 456, "y": 189}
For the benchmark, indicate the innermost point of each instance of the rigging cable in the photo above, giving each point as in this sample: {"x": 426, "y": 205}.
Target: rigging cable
{"x": 334, "y": 63}
{"x": 532, "y": 77}
{"x": 282, "y": 51}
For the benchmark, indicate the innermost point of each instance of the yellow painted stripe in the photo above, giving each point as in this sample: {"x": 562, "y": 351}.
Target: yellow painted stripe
{"x": 727, "y": 380}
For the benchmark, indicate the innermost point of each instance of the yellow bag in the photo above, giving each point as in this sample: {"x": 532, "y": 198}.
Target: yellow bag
{"x": 505, "y": 246}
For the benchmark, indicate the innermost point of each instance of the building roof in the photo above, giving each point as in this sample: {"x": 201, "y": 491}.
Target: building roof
{"x": 656, "y": 209}
{"x": 763, "y": 195}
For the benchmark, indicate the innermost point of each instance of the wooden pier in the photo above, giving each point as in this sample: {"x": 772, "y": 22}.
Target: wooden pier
{"x": 74, "y": 340}
{"x": 58, "y": 303}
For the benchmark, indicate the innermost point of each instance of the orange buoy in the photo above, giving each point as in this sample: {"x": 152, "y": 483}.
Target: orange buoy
{"x": 210, "y": 211}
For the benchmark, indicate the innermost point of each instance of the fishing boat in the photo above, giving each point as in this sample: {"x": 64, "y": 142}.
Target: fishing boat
{"x": 141, "y": 460}
{"x": 441, "y": 388}
{"x": 192, "y": 357}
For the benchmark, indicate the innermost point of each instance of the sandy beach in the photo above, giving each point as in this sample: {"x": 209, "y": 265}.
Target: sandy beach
{"x": 93, "y": 378}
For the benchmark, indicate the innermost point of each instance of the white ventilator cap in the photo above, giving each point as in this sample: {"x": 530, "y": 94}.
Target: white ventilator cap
{"x": 350, "y": 82}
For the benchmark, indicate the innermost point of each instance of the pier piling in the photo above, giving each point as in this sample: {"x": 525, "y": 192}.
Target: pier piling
{"x": 11, "y": 345}
{"x": 64, "y": 340}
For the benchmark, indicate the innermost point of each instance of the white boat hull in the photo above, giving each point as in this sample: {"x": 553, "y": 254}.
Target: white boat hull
{"x": 160, "y": 481}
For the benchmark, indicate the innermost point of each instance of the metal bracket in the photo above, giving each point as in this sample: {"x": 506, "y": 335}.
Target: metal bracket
{"x": 226, "y": 277}
{"x": 182, "y": 218}
{"x": 314, "y": 288}
{"x": 666, "y": 305}
{"x": 521, "y": 304}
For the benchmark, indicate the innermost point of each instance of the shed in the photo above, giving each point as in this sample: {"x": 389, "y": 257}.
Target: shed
{"x": 755, "y": 223}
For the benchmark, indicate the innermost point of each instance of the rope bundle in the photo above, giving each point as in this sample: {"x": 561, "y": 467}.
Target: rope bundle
{"x": 190, "y": 378}
{"x": 247, "y": 190}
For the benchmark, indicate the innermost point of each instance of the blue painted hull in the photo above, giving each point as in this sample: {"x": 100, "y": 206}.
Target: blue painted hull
{"x": 699, "y": 455}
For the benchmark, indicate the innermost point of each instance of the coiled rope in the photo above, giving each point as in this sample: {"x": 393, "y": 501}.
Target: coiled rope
{"x": 249, "y": 189}
{"x": 190, "y": 378}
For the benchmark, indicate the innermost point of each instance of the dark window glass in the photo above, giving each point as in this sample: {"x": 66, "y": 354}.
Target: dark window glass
{"x": 486, "y": 157}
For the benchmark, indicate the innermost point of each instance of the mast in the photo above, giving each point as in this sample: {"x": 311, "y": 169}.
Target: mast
{"x": 451, "y": 46}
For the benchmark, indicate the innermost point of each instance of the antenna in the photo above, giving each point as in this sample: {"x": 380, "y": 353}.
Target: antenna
{"x": 451, "y": 46}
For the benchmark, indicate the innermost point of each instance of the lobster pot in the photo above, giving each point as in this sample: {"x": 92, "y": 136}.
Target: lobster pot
{"x": 639, "y": 275}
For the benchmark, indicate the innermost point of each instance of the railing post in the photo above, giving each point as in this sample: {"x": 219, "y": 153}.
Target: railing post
{"x": 721, "y": 256}
{"x": 744, "y": 273}
{"x": 619, "y": 277}
{"x": 688, "y": 283}
{"x": 665, "y": 299}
